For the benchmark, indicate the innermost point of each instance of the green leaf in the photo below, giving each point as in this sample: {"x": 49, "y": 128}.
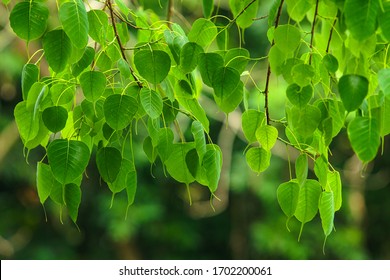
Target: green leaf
{"x": 98, "y": 25}
{"x": 299, "y": 96}
{"x": 208, "y": 7}
{"x": 384, "y": 81}
{"x": 176, "y": 163}
{"x": 131, "y": 186}
{"x": 30, "y": 75}
{"x": 55, "y": 118}
{"x": 149, "y": 149}
{"x": 108, "y": 160}
{"x": 84, "y": 62}
{"x": 58, "y": 49}
{"x": 228, "y": 88}
{"x": 165, "y": 142}
{"x": 302, "y": 74}
{"x": 321, "y": 170}
{"x": 352, "y": 89}
{"x": 258, "y": 159}
{"x": 305, "y": 120}
{"x": 152, "y": 102}
{"x": 307, "y": 207}
{"x": 72, "y": 196}
{"x": 208, "y": 65}
{"x": 189, "y": 56}
{"x": 287, "y": 38}
{"x": 297, "y": 9}
{"x": 68, "y": 159}
{"x": 119, "y": 110}
{"x": 361, "y": 17}
{"x": 62, "y": 94}
{"x": 212, "y": 164}
{"x": 330, "y": 62}
{"x": 27, "y": 122}
{"x": 287, "y": 194}
{"x": 74, "y": 19}
{"x": 276, "y": 59}
{"x": 335, "y": 186}
{"x": 237, "y": 58}
{"x": 28, "y": 19}
{"x": 194, "y": 108}
{"x": 301, "y": 168}
{"x": 267, "y": 136}
{"x": 124, "y": 68}
{"x": 197, "y": 131}
{"x": 363, "y": 133}
{"x": 121, "y": 182}
{"x": 203, "y": 32}
{"x": 93, "y": 84}
{"x": 45, "y": 181}
{"x": 327, "y": 209}
{"x": 248, "y": 13}
{"x": 153, "y": 65}
{"x": 384, "y": 20}
{"x": 251, "y": 120}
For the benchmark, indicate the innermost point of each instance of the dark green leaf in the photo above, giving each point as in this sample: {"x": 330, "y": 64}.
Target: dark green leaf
{"x": 153, "y": 65}
{"x": 55, "y": 118}
{"x": 45, "y": 181}
{"x": 237, "y": 58}
{"x": 152, "y": 102}
{"x": 58, "y": 49}
{"x": 353, "y": 89}
{"x": 208, "y": 7}
{"x": 203, "y": 32}
{"x": 84, "y": 62}
{"x": 212, "y": 164}
{"x": 189, "y": 56}
{"x": 176, "y": 163}
{"x": 98, "y": 25}
{"x": 330, "y": 63}
{"x": 93, "y": 84}
{"x": 208, "y": 65}
{"x": 72, "y": 196}
{"x": 108, "y": 160}
{"x": 119, "y": 110}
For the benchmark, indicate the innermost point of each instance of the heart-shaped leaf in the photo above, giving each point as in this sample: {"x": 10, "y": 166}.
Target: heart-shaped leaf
{"x": 93, "y": 84}
{"x": 58, "y": 48}
{"x": 153, "y": 65}
{"x": 299, "y": 96}
{"x": 55, "y": 118}
{"x": 258, "y": 159}
{"x": 108, "y": 160}
{"x": 353, "y": 89}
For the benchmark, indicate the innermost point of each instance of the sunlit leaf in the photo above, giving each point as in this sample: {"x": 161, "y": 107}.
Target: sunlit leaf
{"x": 119, "y": 110}
{"x": 58, "y": 48}
{"x": 248, "y": 13}
{"x": 212, "y": 164}
{"x": 327, "y": 209}
{"x": 287, "y": 195}
{"x": 301, "y": 168}
{"x": 98, "y": 25}
{"x": 334, "y": 183}
{"x": 93, "y": 84}
{"x": 153, "y": 65}
{"x": 152, "y": 102}
{"x": 267, "y": 136}
{"x": 30, "y": 75}
{"x": 203, "y": 32}
{"x": 108, "y": 160}
{"x": 287, "y": 38}
{"x": 299, "y": 96}
{"x": 258, "y": 159}
{"x": 352, "y": 89}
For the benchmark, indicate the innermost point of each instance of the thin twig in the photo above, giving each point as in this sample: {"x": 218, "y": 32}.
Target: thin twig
{"x": 170, "y": 13}
{"x": 260, "y": 18}
{"x": 118, "y": 39}
{"x": 330, "y": 35}
{"x": 312, "y": 31}
{"x": 269, "y": 69}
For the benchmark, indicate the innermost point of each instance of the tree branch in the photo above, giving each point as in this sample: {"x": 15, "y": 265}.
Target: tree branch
{"x": 170, "y": 12}
{"x": 312, "y": 31}
{"x": 118, "y": 39}
{"x": 266, "y": 90}
{"x": 330, "y": 35}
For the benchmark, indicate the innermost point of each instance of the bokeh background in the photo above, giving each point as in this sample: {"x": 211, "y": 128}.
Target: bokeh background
{"x": 247, "y": 223}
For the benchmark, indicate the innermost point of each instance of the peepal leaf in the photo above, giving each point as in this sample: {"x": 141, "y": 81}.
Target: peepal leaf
{"x": 287, "y": 194}
{"x": 55, "y": 118}
{"x": 153, "y": 65}
{"x": 119, "y": 110}
{"x": 152, "y": 102}
{"x": 326, "y": 208}
{"x": 30, "y": 75}
{"x": 212, "y": 164}
{"x": 352, "y": 89}
{"x": 58, "y": 49}
{"x": 258, "y": 159}
{"x": 45, "y": 181}
{"x": 251, "y": 120}
{"x": 108, "y": 160}
{"x": 203, "y": 32}
{"x": 72, "y": 196}
{"x": 267, "y": 136}
{"x": 176, "y": 163}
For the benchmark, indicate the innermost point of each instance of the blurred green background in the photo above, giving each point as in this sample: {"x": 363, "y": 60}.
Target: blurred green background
{"x": 247, "y": 223}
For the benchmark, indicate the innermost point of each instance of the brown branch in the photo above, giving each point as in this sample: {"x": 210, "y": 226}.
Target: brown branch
{"x": 266, "y": 90}
{"x": 330, "y": 35}
{"x": 118, "y": 39}
{"x": 170, "y": 12}
{"x": 312, "y": 31}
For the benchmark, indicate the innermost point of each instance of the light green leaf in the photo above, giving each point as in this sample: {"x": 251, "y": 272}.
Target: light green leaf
{"x": 165, "y": 142}
{"x": 335, "y": 186}
{"x": 208, "y": 7}
{"x": 301, "y": 168}
{"x": 197, "y": 131}
{"x": 361, "y": 17}
{"x": 45, "y": 181}
{"x": 152, "y": 102}
{"x": 248, "y": 13}
{"x": 302, "y": 74}
{"x": 212, "y": 164}
{"x": 149, "y": 149}
{"x": 267, "y": 136}
{"x": 287, "y": 194}
{"x": 67, "y": 159}
{"x": 321, "y": 170}
{"x": 28, "y": 19}
{"x": 72, "y": 197}
{"x": 189, "y": 56}
{"x": 251, "y": 120}
{"x": 58, "y": 49}
{"x": 299, "y": 96}
{"x": 276, "y": 59}
{"x": 307, "y": 207}
{"x": 208, "y": 65}
{"x": 119, "y": 110}
{"x": 363, "y": 133}
{"x": 153, "y": 65}
{"x": 327, "y": 209}
{"x": 297, "y": 9}
{"x": 203, "y": 32}
{"x": 27, "y": 122}
{"x": 108, "y": 160}
{"x": 305, "y": 120}
{"x": 193, "y": 107}
{"x": 273, "y": 12}
{"x": 121, "y": 181}
{"x": 237, "y": 58}
{"x": 258, "y": 159}
{"x": 30, "y": 75}
{"x": 287, "y": 38}
{"x": 385, "y": 117}
{"x": 330, "y": 62}
{"x": 84, "y": 62}
{"x": 384, "y": 20}
{"x": 384, "y": 81}
{"x": 352, "y": 89}
{"x": 93, "y": 84}
{"x": 98, "y": 25}
{"x": 176, "y": 163}
{"x": 74, "y": 19}
{"x": 62, "y": 94}
{"x": 55, "y": 118}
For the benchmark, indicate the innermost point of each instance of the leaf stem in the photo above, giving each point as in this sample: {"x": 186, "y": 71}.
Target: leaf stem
{"x": 118, "y": 39}
{"x": 312, "y": 31}
{"x": 266, "y": 90}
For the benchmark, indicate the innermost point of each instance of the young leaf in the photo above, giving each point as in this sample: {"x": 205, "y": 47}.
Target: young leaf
{"x": 251, "y": 120}
{"x": 58, "y": 49}
{"x": 247, "y": 13}
{"x": 321, "y": 170}
{"x": 45, "y": 181}
{"x": 352, "y": 89}
{"x": 330, "y": 62}
{"x": 208, "y": 65}
{"x": 384, "y": 81}
{"x": 119, "y": 110}
{"x": 258, "y": 159}
{"x": 108, "y": 160}
{"x": 72, "y": 197}
{"x": 363, "y": 133}
{"x": 74, "y": 19}
{"x": 287, "y": 38}
{"x": 203, "y": 32}
{"x": 26, "y": 121}
{"x": 28, "y": 19}
{"x": 67, "y": 159}
{"x": 267, "y": 136}
{"x": 30, "y": 75}
{"x": 299, "y": 96}
{"x": 189, "y": 56}
{"x": 303, "y": 74}
{"x": 152, "y": 102}
{"x": 327, "y": 209}
{"x": 301, "y": 168}
{"x": 55, "y": 118}
{"x": 287, "y": 194}
{"x": 153, "y": 65}
{"x": 237, "y": 58}
{"x": 361, "y": 17}
{"x": 305, "y": 120}
{"x": 93, "y": 84}
{"x": 165, "y": 142}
